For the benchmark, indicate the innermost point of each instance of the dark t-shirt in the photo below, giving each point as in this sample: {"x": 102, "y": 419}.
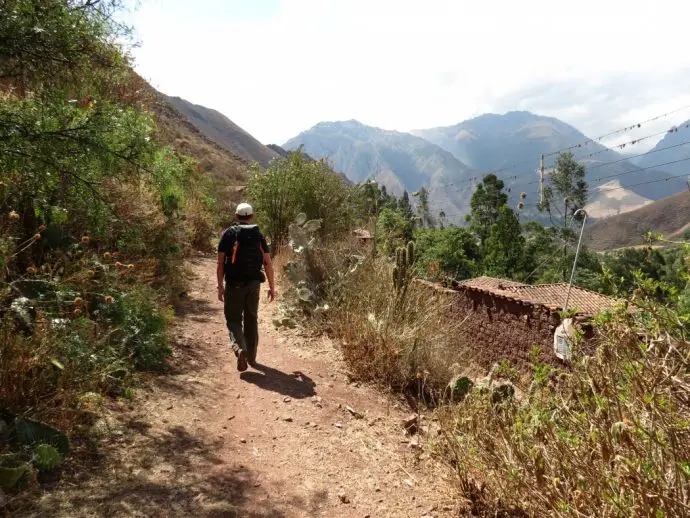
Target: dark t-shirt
{"x": 248, "y": 256}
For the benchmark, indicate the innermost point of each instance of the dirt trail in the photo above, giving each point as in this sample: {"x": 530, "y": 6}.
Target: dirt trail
{"x": 273, "y": 442}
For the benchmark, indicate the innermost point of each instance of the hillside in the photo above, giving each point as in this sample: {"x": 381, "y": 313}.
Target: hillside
{"x": 399, "y": 161}
{"x": 175, "y": 129}
{"x": 671, "y": 216}
{"x": 224, "y": 132}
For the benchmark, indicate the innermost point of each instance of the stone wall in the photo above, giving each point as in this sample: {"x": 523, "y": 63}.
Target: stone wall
{"x": 498, "y": 328}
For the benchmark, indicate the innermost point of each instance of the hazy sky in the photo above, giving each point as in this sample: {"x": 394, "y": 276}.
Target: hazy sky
{"x": 277, "y": 67}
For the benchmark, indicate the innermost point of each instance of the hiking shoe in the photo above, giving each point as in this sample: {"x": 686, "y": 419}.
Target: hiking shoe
{"x": 242, "y": 361}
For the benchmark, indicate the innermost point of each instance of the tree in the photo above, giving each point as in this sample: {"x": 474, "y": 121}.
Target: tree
{"x": 566, "y": 192}
{"x": 393, "y": 230}
{"x": 423, "y": 212}
{"x": 404, "y": 206}
{"x": 487, "y": 200}
{"x": 503, "y": 249}
{"x": 370, "y": 198}
{"x": 293, "y": 185}
{"x": 450, "y": 252}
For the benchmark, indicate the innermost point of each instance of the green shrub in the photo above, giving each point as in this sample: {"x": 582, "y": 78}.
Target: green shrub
{"x": 138, "y": 330}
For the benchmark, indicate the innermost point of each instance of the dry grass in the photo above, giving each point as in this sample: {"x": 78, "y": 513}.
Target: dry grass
{"x": 611, "y": 437}
{"x": 404, "y": 341}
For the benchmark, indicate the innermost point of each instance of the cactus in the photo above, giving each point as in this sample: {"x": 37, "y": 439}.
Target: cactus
{"x": 410, "y": 253}
{"x": 46, "y": 457}
{"x": 404, "y": 259}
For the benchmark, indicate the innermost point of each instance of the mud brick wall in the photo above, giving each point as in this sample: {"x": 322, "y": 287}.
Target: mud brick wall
{"x": 498, "y": 328}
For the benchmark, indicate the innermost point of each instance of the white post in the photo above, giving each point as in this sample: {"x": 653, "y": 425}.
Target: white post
{"x": 577, "y": 253}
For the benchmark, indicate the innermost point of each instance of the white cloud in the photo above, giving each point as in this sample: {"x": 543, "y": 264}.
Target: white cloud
{"x": 402, "y": 64}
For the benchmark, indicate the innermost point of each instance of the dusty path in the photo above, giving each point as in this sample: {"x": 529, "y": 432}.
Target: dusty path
{"x": 273, "y": 442}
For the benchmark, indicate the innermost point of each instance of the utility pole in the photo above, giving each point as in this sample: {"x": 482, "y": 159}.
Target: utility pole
{"x": 577, "y": 253}
{"x": 541, "y": 180}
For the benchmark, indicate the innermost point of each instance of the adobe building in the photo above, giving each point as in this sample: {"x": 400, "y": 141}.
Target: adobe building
{"x": 504, "y": 319}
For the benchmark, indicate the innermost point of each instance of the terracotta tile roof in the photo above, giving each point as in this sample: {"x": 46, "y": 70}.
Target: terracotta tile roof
{"x": 551, "y": 296}
{"x": 491, "y": 283}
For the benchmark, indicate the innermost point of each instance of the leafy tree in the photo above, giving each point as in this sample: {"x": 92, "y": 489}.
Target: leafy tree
{"x": 292, "y": 185}
{"x": 404, "y": 206}
{"x": 566, "y": 191}
{"x": 487, "y": 200}
{"x": 450, "y": 252}
{"x": 370, "y": 198}
{"x": 423, "y": 212}
{"x": 503, "y": 249}
{"x": 565, "y": 194}
{"x": 442, "y": 219}
{"x": 393, "y": 229}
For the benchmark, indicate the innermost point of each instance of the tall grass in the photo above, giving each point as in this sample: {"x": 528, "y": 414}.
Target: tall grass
{"x": 609, "y": 437}
{"x": 406, "y": 342}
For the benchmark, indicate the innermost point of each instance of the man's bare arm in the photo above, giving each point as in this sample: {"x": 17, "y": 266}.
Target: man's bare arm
{"x": 220, "y": 274}
{"x": 268, "y": 264}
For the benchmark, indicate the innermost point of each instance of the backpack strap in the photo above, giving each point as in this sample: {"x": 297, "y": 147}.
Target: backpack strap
{"x": 231, "y": 232}
{"x": 235, "y": 248}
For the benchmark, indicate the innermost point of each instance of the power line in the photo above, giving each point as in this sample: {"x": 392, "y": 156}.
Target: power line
{"x": 632, "y": 142}
{"x": 656, "y": 150}
{"x": 631, "y": 171}
{"x": 639, "y": 169}
{"x": 672, "y": 177}
{"x": 672, "y": 129}
{"x": 618, "y": 131}
{"x": 604, "y": 189}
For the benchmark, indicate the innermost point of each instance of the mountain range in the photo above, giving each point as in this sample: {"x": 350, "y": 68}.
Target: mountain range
{"x": 509, "y": 145}
{"x": 449, "y": 161}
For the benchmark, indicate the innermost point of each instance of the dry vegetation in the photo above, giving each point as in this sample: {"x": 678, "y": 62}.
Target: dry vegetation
{"x": 669, "y": 216}
{"x": 609, "y": 436}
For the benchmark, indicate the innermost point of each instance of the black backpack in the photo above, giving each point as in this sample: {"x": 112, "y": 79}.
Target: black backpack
{"x": 244, "y": 257}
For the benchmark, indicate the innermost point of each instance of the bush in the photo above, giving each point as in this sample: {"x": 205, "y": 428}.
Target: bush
{"x": 294, "y": 185}
{"x": 96, "y": 216}
{"x": 609, "y": 437}
{"x": 403, "y": 339}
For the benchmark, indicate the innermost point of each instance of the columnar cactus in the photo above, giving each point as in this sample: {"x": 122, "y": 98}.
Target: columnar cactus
{"x": 404, "y": 259}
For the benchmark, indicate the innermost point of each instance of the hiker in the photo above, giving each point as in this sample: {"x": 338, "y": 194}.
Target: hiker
{"x": 242, "y": 252}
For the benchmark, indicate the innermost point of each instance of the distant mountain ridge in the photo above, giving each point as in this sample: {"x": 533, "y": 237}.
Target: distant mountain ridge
{"x": 674, "y": 147}
{"x": 400, "y": 161}
{"x": 492, "y": 141}
{"x": 510, "y": 145}
{"x": 224, "y": 132}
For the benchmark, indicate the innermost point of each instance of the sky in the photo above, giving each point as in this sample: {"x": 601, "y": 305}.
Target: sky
{"x": 277, "y": 67}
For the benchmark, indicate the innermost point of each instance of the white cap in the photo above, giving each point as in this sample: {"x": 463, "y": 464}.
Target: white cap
{"x": 244, "y": 209}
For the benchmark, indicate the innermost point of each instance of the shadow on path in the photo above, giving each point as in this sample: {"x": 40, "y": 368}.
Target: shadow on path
{"x": 296, "y": 385}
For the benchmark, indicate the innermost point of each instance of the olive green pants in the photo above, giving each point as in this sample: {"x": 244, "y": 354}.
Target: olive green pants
{"x": 241, "y": 316}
